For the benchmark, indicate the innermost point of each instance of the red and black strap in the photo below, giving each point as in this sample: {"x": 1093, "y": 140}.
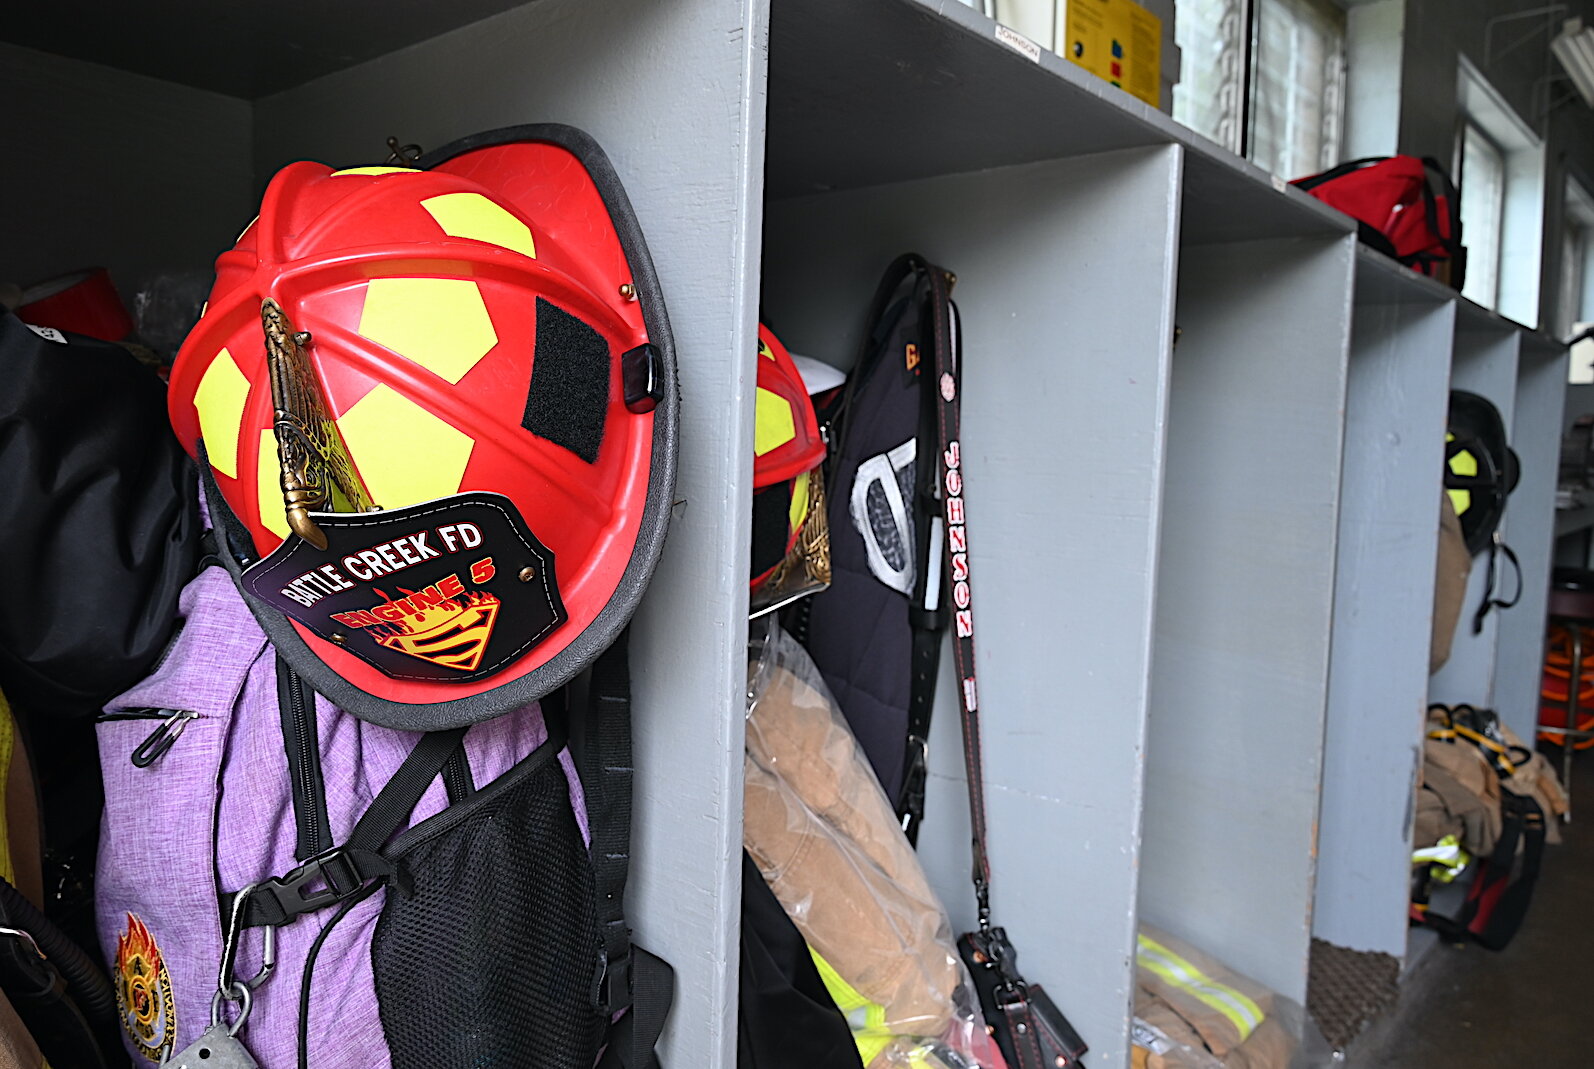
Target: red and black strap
{"x": 948, "y": 385}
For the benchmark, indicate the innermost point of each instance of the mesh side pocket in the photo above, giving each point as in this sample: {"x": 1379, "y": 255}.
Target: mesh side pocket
{"x": 489, "y": 957}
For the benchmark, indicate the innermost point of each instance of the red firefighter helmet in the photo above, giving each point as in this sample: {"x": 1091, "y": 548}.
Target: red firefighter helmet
{"x": 787, "y": 448}
{"x": 435, "y": 408}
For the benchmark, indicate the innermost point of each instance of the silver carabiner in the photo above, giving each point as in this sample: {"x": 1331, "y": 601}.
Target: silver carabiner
{"x": 225, "y": 980}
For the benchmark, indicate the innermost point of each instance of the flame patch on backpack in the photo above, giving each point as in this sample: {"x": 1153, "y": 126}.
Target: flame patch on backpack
{"x": 144, "y": 993}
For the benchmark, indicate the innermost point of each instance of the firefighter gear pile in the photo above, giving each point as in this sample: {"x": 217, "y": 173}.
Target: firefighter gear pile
{"x": 1488, "y": 803}
{"x": 828, "y": 844}
{"x": 1194, "y": 1012}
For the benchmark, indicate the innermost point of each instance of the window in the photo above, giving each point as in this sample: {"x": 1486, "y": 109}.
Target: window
{"x": 1300, "y": 77}
{"x": 1208, "y": 97}
{"x": 1499, "y": 167}
{"x": 1573, "y": 304}
{"x": 1482, "y": 212}
{"x": 1295, "y": 72}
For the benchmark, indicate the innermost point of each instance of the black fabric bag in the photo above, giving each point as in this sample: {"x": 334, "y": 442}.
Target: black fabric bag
{"x": 871, "y": 634}
{"x": 1502, "y": 888}
{"x": 1029, "y": 1029}
{"x": 1501, "y": 892}
{"x": 101, "y": 524}
{"x": 786, "y": 1018}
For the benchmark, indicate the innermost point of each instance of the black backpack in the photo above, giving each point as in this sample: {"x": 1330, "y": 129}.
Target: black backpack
{"x": 101, "y": 504}
{"x": 870, "y": 633}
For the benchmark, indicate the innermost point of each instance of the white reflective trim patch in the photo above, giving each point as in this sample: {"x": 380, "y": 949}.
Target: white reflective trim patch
{"x": 47, "y": 333}
{"x": 881, "y": 470}
{"x": 932, "y": 582}
{"x": 1150, "y": 1037}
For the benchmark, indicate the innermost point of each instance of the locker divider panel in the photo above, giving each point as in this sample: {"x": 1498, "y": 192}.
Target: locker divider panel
{"x": 1401, "y": 339}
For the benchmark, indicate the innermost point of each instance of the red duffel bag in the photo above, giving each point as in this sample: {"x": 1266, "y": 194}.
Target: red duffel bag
{"x": 1408, "y": 207}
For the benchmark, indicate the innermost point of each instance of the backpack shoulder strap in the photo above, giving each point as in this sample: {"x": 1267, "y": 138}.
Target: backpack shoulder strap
{"x": 632, "y": 982}
{"x": 1348, "y": 167}
{"x": 344, "y": 871}
{"x": 869, "y": 347}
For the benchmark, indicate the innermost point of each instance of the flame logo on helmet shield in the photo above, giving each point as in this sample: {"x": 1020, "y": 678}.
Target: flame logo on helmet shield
{"x": 144, "y": 993}
{"x": 452, "y": 633}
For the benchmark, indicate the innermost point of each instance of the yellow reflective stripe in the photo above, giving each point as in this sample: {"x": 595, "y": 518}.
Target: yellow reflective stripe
{"x": 1244, "y": 1014}
{"x": 1446, "y": 856}
{"x": 1488, "y": 744}
{"x": 866, "y": 1019}
{"x": 1442, "y": 854}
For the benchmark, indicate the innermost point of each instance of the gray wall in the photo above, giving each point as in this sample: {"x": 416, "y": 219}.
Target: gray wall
{"x": 1435, "y": 33}
{"x": 109, "y": 168}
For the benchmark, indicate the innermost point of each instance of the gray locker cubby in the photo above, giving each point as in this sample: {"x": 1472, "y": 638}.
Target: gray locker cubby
{"x": 1401, "y": 339}
{"x": 1413, "y": 340}
{"x": 1245, "y": 599}
{"x": 1529, "y": 528}
{"x": 1200, "y": 571}
{"x": 1065, "y": 283}
{"x": 1485, "y": 363}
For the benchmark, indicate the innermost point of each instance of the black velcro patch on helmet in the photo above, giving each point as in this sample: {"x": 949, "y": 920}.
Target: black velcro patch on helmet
{"x": 569, "y": 395}
{"x": 771, "y": 526}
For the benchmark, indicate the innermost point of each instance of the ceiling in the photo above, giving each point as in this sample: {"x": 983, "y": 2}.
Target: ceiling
{"x": 238, "y": 47}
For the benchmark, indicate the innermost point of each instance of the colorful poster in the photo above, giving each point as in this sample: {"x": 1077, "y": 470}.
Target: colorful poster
{"x": 1117, "y": 40}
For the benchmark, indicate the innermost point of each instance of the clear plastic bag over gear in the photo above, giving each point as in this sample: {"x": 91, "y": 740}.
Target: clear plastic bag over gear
{"x": 828, "y": 844}
{"x": 1194, "y": 1012}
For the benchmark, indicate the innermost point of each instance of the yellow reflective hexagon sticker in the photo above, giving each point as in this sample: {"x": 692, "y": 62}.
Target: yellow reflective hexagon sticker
{"x": 800, "y": 500}
{"x": 471, "y": 215}
{"x": 440, "y": 323}
{"x": 220, "y": 404}
{"x": 774, "y": 423}
{"x": 1463, "y": 463}
{"x": 405, "y": 454}
{"x": 268, "y": 469}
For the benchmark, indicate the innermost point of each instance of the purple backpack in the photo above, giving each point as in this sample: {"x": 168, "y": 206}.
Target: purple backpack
{"x": 376, "y": 898}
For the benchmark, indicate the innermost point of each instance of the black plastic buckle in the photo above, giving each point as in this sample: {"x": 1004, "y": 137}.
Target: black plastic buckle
{"x": 322, "y": 881}
{"x": 642, "y": 377}
{"x": 611, "y": 980}
{"x": 611, "y": 984}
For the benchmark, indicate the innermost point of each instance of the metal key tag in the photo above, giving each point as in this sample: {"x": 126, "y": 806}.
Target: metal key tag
{"x": 214, "y": 1049}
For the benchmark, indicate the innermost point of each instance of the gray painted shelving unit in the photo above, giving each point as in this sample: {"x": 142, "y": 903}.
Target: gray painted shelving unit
{"x": 1206, "y": 567}
{"x": 1416, "y": 340}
